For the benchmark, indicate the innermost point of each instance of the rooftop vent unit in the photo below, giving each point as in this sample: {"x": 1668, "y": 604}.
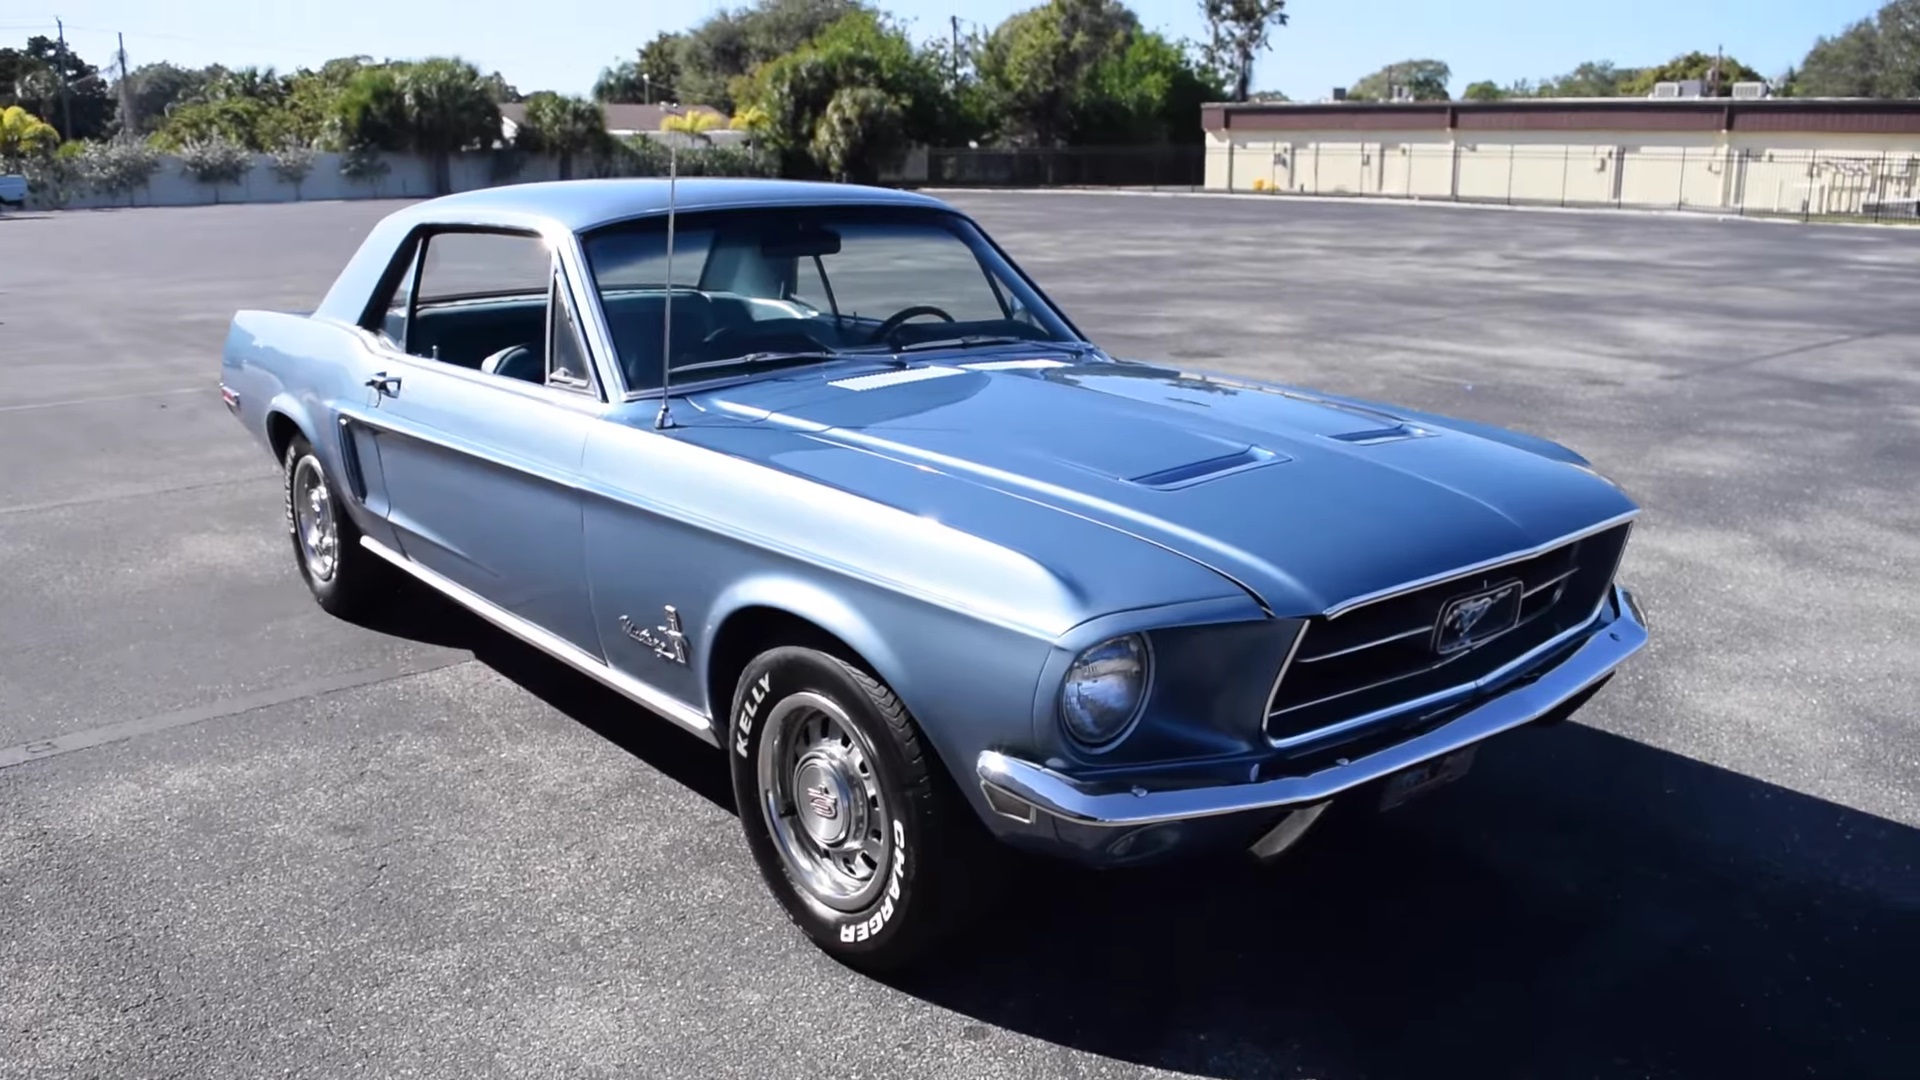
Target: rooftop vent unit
{"x": 1684, "y": 88}
{"x": 1752, "y": 90}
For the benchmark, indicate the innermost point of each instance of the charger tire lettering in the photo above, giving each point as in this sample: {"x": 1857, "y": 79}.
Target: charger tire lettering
{"x": 872, "y": 925}
{"x": 748, "y": 711}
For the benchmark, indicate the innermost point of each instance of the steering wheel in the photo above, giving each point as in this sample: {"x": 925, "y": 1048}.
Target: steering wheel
{"x": 898, "y": 319}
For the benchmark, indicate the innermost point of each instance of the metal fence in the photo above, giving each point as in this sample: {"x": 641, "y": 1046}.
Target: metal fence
{"x": 1178, "y": 167}
{"x": 1806, "y": 185}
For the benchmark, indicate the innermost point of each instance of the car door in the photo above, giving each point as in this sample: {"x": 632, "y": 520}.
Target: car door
{"x": 477, "y": 414}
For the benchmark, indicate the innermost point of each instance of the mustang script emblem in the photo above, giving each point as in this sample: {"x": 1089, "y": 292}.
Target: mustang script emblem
{"x": 823, "y": 802}
{"x": 667, "y": 642}
{"x": 1466, "y": 621}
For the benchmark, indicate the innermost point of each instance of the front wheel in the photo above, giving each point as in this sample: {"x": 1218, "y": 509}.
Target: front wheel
{"x": 845, "y": 812}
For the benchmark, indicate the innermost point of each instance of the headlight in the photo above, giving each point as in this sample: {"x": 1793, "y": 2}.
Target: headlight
{"x": 1104, "y": 689}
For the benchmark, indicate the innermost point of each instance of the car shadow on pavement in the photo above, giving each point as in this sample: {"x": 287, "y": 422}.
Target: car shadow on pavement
{"x": 1580, "y": 905}
{"x": 432, "y": 619}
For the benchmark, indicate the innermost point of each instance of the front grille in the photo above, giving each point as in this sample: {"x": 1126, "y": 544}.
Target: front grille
{"x": 1392, "y": 651}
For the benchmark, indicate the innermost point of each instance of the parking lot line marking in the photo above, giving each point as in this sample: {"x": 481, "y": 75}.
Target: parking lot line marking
{"x": 104, "y": 397}
{"x": 86, "y": 500}
{"x": 42, "y": 749}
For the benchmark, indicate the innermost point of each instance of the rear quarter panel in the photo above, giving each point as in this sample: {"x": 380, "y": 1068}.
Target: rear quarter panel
{"x": 282, "y": 364}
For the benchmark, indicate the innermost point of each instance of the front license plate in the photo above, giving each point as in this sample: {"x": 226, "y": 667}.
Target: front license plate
{"x": 1426, "y": 776}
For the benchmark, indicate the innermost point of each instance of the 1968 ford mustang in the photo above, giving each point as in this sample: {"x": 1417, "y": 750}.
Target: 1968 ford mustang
{"x": 817, "y": 473}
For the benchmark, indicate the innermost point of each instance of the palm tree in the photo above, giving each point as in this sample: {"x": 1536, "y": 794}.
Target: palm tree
{"x": 562, "y": 125}
{"x": 694, "y": 124}
{"x": 24, "y": 135}
{"x": 753, "y": 120}
{"x": 448, "y": 108}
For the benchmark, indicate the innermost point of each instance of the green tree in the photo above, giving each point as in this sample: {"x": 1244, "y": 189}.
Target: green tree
{"x": 1422, "y": 80}
{"x": 1036, "y": 67}
{"x": 1151, "y": 93}
{"x": 315, "y": 100}
{"x": 367, "y": 111}
{"x": 1720, "y": 72}
{"x": 659, "y": 65}
{"x": 710, "y": 61}
{"x": 158, "y": 87}
{"x": 1594, "y": 78}
{"x": 862, "y": 129}
{"x": 448, "y": 107}
{"x": 620, "y": 84}
{"x": 1238, "y": 31}
{"x": 1484, "y": 90}
{"x": 1874, "y": 57}
{"x": 32, "y": 78}
{"x": 860, "y": 51}
{"x": 565, "y": 126}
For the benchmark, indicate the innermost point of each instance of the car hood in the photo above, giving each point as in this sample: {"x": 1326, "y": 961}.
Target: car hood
{"x": 1304, "y": 500}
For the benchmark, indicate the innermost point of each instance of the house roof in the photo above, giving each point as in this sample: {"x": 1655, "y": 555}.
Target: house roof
{"x": 623, "y": 117}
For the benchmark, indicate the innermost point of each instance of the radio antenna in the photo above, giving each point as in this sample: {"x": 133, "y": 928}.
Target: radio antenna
{"x": 663, "y": 420}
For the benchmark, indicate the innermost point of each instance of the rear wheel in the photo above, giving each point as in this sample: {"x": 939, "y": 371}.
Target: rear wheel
{"x": 852, "y": 825}
{"x": 345, "y": 578}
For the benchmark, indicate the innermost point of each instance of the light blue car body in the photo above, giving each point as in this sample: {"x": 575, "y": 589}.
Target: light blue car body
{"x": 965, "y": 535}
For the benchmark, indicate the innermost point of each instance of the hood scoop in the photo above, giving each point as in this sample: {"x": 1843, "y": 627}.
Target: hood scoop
{"x": 1376, "y": 436}
{"x": 1193, "y": 473}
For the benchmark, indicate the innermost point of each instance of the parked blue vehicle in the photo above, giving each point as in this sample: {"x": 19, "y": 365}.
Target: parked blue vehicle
{"x": 829, "y": 482}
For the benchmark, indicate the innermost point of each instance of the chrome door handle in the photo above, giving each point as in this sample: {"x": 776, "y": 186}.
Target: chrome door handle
{"x": 385, "y": 384}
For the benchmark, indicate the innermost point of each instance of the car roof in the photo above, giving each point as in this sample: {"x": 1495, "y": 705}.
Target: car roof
{"x": 579, "y": 205}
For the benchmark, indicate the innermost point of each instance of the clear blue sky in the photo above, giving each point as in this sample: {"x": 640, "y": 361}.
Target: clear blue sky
{"x": 563, "y": 44}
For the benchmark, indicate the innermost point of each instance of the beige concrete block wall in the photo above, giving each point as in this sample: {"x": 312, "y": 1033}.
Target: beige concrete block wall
{"x": 1758, "y": 173}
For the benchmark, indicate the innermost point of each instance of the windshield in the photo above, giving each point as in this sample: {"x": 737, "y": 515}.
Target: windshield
{"x": 791, "y": 284}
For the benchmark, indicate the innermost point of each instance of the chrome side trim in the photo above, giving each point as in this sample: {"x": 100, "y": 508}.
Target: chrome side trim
{"x": 560, "y": 649}
{"x": 1075, "y": 802}
{"x": 1345, "y": 606}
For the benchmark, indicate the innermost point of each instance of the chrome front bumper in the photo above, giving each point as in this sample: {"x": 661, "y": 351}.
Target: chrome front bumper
{"x": 1016, "y": 788}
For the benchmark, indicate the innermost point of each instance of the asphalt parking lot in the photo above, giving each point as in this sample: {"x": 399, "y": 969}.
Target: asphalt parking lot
{"x": 240, "y": 838}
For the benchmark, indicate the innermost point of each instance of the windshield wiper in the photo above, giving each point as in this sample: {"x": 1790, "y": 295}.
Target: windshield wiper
{"x": 971, "y": 341}
{"x": 751, "y": 359}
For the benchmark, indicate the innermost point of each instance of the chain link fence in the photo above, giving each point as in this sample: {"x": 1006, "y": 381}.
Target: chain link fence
{"x": 1178, "y": 167}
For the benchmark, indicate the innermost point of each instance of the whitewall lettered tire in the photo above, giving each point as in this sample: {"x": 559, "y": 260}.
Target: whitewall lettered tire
{"x": 844, "y": 809}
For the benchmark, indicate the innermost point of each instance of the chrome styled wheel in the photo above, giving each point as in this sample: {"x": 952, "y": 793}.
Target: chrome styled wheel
{"x": 822, "y": 801}
{"x": 314, "y": 523}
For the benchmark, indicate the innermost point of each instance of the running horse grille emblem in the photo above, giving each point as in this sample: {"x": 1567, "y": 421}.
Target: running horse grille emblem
{"x": 823, "y": 802}
{"x": 1466, "y": 621}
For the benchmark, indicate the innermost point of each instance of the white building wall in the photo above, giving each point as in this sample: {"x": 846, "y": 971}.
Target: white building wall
{"x": 1788, "y": 172}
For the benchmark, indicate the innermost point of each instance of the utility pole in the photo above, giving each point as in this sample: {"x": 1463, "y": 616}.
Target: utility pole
{"x": 128, "y": 127}
{"x": 954, "y": 20}
{"x": 66, "y": 100}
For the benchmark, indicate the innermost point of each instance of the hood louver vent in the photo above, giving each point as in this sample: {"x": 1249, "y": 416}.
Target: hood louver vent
{"x": 880, "y": 379}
